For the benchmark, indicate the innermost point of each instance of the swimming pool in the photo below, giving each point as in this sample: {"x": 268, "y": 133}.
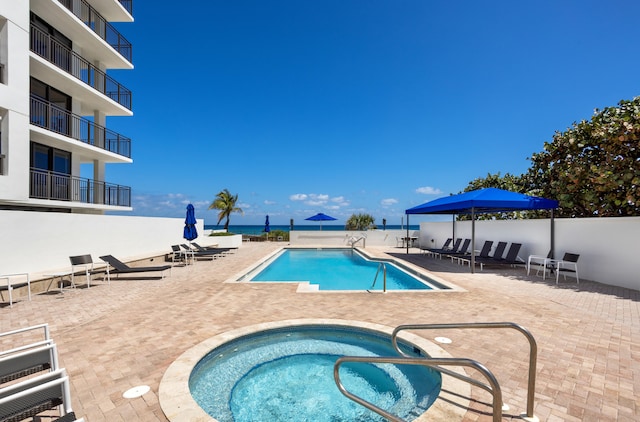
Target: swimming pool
{"x": 339, "y": 269}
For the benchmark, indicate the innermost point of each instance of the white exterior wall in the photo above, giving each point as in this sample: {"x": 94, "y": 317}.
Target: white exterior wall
{"x": 14, "y": 99}
{"x": 41, "y": 242}
{"x": 341, "y": 238}
{"x": 605, "y": 245}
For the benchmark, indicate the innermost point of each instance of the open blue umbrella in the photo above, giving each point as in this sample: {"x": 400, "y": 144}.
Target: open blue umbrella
{"x": 190, "y": 231}
{"x": 266, "y": 227}
{"x": 320, "y": 217}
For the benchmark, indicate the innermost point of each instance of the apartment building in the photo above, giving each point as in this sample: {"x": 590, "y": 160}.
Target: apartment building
{"x": 55, "y": 97}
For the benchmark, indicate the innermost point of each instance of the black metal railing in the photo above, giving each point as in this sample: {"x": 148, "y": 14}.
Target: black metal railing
{"x": 71, "y": 62}
{"x": 50, "y": 185}
{"x": 99, "y": 25}
{"x": 127, "y": 4}
{"x": 55, "y": 119}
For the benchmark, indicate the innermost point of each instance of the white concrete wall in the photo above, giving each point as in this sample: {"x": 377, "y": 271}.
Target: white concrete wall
{"x": 341, "y": 238}
{"x": 606, "y": 245}
{"x": 39, "y": 242}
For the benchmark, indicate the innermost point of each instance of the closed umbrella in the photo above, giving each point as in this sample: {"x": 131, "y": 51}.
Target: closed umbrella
{"x": 190, "y": 231}
{"x": 266, "y": 227}
{"x": 320, "y": 217}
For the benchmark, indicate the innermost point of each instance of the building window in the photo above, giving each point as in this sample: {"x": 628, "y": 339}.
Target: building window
{"x": 50, "y": 173}
{"x": 53, "y": 112}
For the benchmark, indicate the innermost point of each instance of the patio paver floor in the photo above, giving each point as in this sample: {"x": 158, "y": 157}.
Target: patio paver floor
{"x": 112, "y": 338}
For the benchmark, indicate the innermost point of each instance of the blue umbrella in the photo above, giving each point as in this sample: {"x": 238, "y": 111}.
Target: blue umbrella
{"x": 266, "y": 227}
{"x": 190, "y": 231}
{"x": 320, "y": 217}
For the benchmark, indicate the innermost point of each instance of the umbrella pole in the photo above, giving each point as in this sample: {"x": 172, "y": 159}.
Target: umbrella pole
{"x": 473, "y": 240}
{"x": 407, "y": 239}
{"x": 553, "y": 235}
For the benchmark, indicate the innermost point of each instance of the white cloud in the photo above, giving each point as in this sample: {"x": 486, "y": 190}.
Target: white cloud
{"x": 389, "y": 201}
{"x": 267, "y": 202}
{"x": 298, "y": 197}
{"x": 428, "y": 190}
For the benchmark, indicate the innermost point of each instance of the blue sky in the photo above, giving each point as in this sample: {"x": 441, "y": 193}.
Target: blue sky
{"x": 343, "y": 107}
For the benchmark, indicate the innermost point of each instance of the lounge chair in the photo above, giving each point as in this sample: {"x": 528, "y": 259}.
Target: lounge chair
{"x": 223, "y": 251}
{"x": 83, "y": 263}
{"x": 484, "y": 253}
{"x": 10, "y": 286}
{"x": 36, "y": 395}
{"x": 445, "y": 246}
{"x": 120, "y": 267}
{"x": 462, "y": 251}
{"x": 511, "y": 258}
{"x": 196, "y": 254}
{"x": 568, "y": 264}
{"x": 444, "y": 250}
{"x": 497, "y": 255}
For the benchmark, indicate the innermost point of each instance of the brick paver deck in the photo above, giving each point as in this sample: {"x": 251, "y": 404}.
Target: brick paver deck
{"x": 112, "y": 338}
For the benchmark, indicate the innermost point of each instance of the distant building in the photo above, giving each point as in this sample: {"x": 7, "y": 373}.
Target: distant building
{"x": 55, "y": 97}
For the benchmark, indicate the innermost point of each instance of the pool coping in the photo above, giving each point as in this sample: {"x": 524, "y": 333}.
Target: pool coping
{"x": 306, "y": 287}
{"x": 179, "y": 406}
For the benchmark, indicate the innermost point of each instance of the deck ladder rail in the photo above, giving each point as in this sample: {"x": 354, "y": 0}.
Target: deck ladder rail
{"x": 384, "y": 277}
{"x": 430, "y": 362}
{"x": 533, "y": 354}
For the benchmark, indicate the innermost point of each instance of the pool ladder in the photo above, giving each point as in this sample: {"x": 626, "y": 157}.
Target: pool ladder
{"x": 384, "y": 277}
{"x": 437, "y": 364}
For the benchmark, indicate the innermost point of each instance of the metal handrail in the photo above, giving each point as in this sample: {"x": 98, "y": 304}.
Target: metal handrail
{"x": 533, "y": 351}
{"x": 51, "y": 185}
{"x": 430, "y": 362}
{"x": 98, "y": 24}
{"x": 77, "y": 66}
{"x": 48, "y": 116}
{"x": 384, "y": 277}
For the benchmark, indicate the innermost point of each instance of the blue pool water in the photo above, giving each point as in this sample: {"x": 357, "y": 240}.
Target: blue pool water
{"x": 338, "y": 269}
{"x": 287, "y": 374}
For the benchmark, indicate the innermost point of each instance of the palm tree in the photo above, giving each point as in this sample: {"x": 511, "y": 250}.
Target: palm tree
{"x": 226, "y": 203}
{"x": 360, "y": 222}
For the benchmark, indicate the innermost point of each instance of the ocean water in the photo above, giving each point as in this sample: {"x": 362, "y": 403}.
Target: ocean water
{"x": 259, "y": 229}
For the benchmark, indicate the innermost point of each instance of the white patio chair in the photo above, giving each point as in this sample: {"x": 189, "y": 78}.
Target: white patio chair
{"x": 11, "y": 285}
{"x": 33, "y": 396}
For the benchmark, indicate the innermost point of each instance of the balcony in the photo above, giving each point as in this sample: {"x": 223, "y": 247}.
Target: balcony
{"x": 128, "y": 5}
{"x": 55, "y": 119}
{"x": 64, "y": 187}
{"x": 72, "y": 63}
{"x": 87, "y": 14}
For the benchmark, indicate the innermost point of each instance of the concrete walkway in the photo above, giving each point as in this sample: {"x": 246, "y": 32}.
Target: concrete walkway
{"x": 113, "y": 338}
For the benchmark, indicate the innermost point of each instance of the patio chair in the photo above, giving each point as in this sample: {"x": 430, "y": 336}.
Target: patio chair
{"x": 195, "y": 253}
{"x": 445, "y": 246}
{"x": 36, "y": 395}
{"x": 120, "y": 267}
{"x": 512, "y": 257}
{"x": 440, "y": 252}
{"x": 462, "y": 251}
{"x": 10, "y": 286}
{"x": 17, "y": 363}
{"x": 484, "y": 253}
{"x": 568, "y": 264}
{"x": 212, "y": 248}
{"x": 497, "y": 255}
{"x": 82, "y": 263}
{"x": 541, "y": 262}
